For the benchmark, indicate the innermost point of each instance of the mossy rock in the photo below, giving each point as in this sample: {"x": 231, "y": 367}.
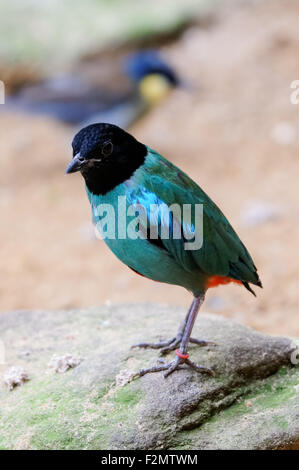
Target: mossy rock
{"x": 252, "y": 403}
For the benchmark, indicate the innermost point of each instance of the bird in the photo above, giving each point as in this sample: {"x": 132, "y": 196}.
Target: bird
{"x": 120, "y": 95}
{"x": 152, "y": 79}
{"x": 124, "y": 177}
{"x": 153, "y": 75}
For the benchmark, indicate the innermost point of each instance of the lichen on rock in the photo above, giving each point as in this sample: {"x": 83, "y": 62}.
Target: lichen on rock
{"x": 15, "y": 376}
{"x": 61, "y": 364}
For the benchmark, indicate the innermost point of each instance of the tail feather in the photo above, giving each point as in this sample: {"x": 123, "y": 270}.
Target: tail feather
{"x": 245, "y": 284}
{"x": 257, "y": 283}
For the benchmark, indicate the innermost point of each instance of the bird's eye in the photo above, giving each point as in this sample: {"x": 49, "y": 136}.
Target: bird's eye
{"x": 107, "y": 149}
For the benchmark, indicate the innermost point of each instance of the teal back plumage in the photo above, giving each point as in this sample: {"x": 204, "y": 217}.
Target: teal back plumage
{"x": 158, "y": 181}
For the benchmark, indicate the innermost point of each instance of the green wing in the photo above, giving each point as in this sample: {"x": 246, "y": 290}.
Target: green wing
{"x": 222, "y": 252}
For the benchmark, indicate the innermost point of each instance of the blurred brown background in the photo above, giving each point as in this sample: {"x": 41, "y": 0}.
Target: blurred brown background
{"x": 235, "y": 132}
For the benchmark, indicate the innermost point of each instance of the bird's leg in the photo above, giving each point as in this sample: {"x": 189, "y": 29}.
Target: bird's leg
{"x": 182, "y": 356}
{"x": 171, "y": 344}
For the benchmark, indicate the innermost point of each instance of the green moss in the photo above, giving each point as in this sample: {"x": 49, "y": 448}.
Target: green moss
{"x": 266, "y": 398}
{"x": 127, "y": 396}
{"x": 56, "y": 414}
{"x": 280, "y": 422}
{"x": 101, "y": 393}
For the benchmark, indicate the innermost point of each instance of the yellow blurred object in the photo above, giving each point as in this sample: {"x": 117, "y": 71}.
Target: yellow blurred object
{"x": 154, "y": 88}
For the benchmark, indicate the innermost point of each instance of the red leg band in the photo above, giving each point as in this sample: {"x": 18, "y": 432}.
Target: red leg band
{"x": 182, "y": 356}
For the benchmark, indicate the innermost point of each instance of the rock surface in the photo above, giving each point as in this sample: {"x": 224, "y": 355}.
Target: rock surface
{"x": 251, "y": 404}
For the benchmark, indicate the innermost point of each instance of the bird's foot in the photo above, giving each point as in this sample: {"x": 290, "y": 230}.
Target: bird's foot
{"x": 170, "y": 367}
{"x": 171, "y": 344}
{"x": 202, "y": 342}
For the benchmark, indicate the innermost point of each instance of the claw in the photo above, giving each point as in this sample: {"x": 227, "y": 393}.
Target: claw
{"x": 174, "y": 365}
{"x": 161, "y": 344}
{"x": 171, "y": 344}
{"x": 201, "y": 369}
{"x": 202, "y": 342}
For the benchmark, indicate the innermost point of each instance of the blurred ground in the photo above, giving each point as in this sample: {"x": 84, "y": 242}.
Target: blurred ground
{"x": 236, "y": 134}
{"x": 52, "y": 33}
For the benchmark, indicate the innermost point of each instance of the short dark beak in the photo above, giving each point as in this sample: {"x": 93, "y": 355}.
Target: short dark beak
{"x": 76, "y": 164}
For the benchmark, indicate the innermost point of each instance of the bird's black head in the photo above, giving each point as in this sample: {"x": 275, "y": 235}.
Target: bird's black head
{"x": 150, "y": 62}
{"x": 106, "y": 156}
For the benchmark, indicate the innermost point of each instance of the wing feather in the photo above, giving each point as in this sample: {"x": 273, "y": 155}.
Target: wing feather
{"x": 222, "y": 252}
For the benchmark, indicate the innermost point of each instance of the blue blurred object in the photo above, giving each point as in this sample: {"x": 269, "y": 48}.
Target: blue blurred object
{"x": 75, "y": 100}
{"x": 148, "y": 62}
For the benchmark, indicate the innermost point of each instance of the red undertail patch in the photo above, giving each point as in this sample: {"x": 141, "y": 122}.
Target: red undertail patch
{"x": 215, "y": 281}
